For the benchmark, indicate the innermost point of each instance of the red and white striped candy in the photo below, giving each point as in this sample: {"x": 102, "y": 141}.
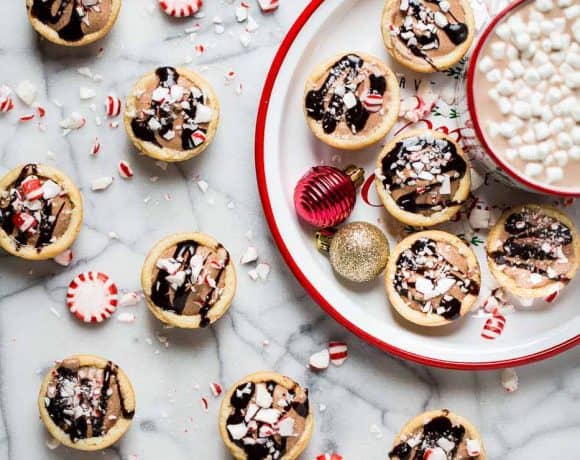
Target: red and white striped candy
{"x": 204, "y": 404}
{"x": 373, "y": 102}
{"x": 216, "y": 389}
{"x": 553, "y": 296}
{"x": 64, "y": 258}
{"x": 268, "y": 6}
{"x": 338, "y": 352}
{"x": 31, "y": 188}
{"x": 24, "y": 221}
{"x": 180, "y": 8}
{"x": 329, "y": 457}
{"x": 434, "y": 453}
{"x": 113, "y": 106}
{"x": 198, "y": 137}
{"x": 92, "y": 297}
{"x": 27, "y": 117}
{"x": 6, "y": 102}
{"x": 493, "y": 327}
{"x": 125, "y": 170}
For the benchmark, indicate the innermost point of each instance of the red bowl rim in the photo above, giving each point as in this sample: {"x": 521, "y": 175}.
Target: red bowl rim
{"x": 293, "y": 265}
{"x": 518, "y": 177}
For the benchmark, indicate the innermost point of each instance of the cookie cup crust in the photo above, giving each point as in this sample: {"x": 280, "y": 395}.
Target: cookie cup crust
{"x": 52, "y": 35}
{"x": 355, "y": 142}
{"x": 417, "y": 423}
{"x": 164, "y": 153}
{"x": 114, "y": 433}
{"x": 226, "y": 408}
{"x": 442, "y": 62}
{"x": 186, "y": 321}
{"x": 419, "y": 220}
{"x": 400, "y": 305}
{"x": 509, "y": 283}
{"x": 67, "y": 239}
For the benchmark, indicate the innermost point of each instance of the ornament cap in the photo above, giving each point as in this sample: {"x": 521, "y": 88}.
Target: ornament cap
{"x": 323, "y": 239}
{"x": 355, "y": 174}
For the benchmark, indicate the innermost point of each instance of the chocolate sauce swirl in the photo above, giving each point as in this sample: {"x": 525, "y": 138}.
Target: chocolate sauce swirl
{"x": 327, "y": 105}
{"x": 438, "y": 428}
{"x": 165, "y": 114}
{"x": 415, "y": 171}
{"x": 51, "y": 12}
{"x": 535, "y": 242}
{"x": 77, "y": 408}
{"x": 425, "y": 259}
{"x": 165, "y": 296}
{"x": 263, "y": 447}
{"x": 43, "y": 210}
{"x": 419, "y": 31}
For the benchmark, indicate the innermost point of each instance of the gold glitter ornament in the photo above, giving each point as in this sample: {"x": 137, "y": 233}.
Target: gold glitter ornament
{"x": 358, "y": 251}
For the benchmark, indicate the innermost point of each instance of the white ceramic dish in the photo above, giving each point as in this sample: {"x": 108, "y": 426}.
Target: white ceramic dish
{"x": 285, "y": 149}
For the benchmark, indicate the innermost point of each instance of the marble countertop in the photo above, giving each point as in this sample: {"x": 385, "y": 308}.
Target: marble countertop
{"x": 367, "y": 400}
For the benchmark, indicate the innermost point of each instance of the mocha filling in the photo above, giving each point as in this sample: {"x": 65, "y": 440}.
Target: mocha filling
{"x": 536, "y": 246}
{"x": 85, "y": 402}
{"x": 422, "y": 174}
{"x": 267, "y": 419}
{"x": 438, "y": 432}
{"x": 179, "y": 110}
{"x": 34, "y": 222}
{"x": 420, "y": 26}
{"x": 190, "y": 279}
{"x": 70, "y": 17}
{"x": 433, "y": 277}
{"x": 329, "y": 104}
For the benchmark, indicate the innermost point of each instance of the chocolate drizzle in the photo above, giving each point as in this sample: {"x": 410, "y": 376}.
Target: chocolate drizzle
{"x": 327, "y": 104}
{"x": 255, "y": 444}
{"x": 15, "y": 205}
{"x": 75, "y": 407}
{"x": 72, "y": 31}
{"x": 419, "y": 30}
{"x": 434, "y": 430}
{"x": 431, "y": 282}
{"x": 535, "y": 242}
{"x": 176, "y": 298}
{"x": 415, "y": 171}
{"x": 160, "y": 119}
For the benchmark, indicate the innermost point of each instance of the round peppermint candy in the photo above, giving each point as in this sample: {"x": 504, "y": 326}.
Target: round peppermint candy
{"x": 92, "y": 297}
{"x": 180, "y": 8}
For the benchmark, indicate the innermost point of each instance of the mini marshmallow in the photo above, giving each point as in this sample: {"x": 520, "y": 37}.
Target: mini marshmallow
{"x": 556, "y": 125}
{"x": 516, "y": 68}
{"x": 511, "y": 52}
{"x": 572, "y": 80}
{"x": 557, "y": 41}
{"x": 541, "y": 130}
{"x": 507, "y": 74}
{"x": 554, "y": 174}
{"x": 531, "y": 76}
{"x": 498, "y": 50}
{"x": 529, "y": 153}
{"x": 547, "y": 114}
{"x": 576, "y": 135}
{"x": 546, "y": 71}
{"x": 515, "y": 141}
{"x": 505, "y": 105}
{"x": 493, "y": 94}
{"x": 564, "y": 3}
{"x": 528, "y": 137}
{"x": 507, "y": 130}
{"x": 572, "y": 12}
{"x": 530, "y": 51}
{"x": 505, "y": 88}
{"x": 575, "y": 112}
{"x": 533, "y": 169}
{"x": 493, "y": 76}
{"x": 503, "y": 31}
{"x": 546, "y": 148}
{"x": 558, "y": 58}
{"x": 511, "y": 154}
{"x": 544, "y": 5}
{"x": 534, "y": 29}
{"x": 522, "y": 41}
{"x": 564, "y": 141}
{"x": 553, "y": 95}
{"x": 546, "y": 44}
{"x": 573, "y": 59}
{"x": 440, "y": 20}
{"x": 561, "y": 157}
{"x": 574, "y": 152}
{"x": 485, "y": 64}
{"x": 576, "y": 30}
{"x": 522, "y": 110}
{"x": 540, "y": 58}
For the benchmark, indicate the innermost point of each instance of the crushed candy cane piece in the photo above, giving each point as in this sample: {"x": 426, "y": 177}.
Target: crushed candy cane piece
{"x": 125, "y": 170}
{"x": 552, "y": 297}
{"x": 417, "y": 107}
{"x": 113, "y": 106}
{"x": 493, "y": 327}
{"x": 204, "y": 404}
{"x": 92, "y": 297}
{"x": 129, "y": 299}
{"x": 328, "y": 456}
{"x": 52, "y": 443}
{"x": 65, "y": 258}
{"x": 372, "y": 102}
{"x": 26, "y": 91}
{"x": 101, "y": 183}
{"x": 435, "y": 453}
{"x": 250, "y": 255}
{"x": 6, "y": 102}
{"x": 263, "y": 271}
{"x": 96, "y": 147}
{"x": 216, "y": 389}
{"x": 319, "y": 361}
{"x": 269, "y": 6}
{"x": 203, "y": 185}
{"x": 27, "y": 117}
{"x": 126, "y": 317}
{"x": 473, "y": 447}
{"x": 86, "y": 93}
{"x": 509, "y": 380}
{"x": 74, "y": 121}
{"x": 338, "y": 352}
{"x": 41, "y": 111}
{"x": 180, "y": 8}
{"x": 242, "y": 12}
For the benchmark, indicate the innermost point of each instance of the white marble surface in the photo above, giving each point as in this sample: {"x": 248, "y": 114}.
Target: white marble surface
{"x": 540, "y": 421}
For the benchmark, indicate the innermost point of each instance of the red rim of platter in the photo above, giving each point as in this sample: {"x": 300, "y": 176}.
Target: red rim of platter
{"x": 293, "y": 265}
{"x": 518, "y": 177}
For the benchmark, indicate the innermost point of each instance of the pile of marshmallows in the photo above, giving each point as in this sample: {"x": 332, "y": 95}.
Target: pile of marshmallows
{"x": 536, "y": 90}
